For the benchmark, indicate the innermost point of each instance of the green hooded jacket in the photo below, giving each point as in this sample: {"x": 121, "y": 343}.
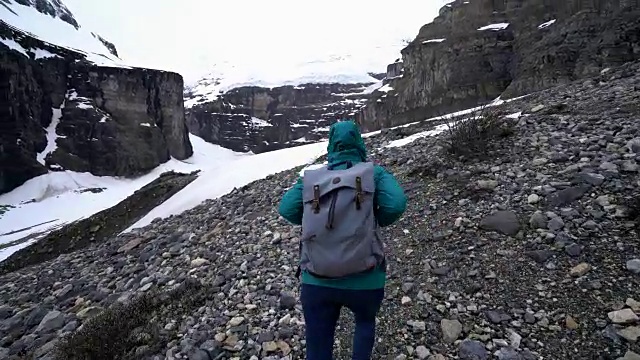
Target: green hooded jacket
{"x": 346, "y": 144}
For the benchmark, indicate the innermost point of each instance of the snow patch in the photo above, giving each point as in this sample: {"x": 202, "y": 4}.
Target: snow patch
{"x": 43, "y": 54}
{"x": 495, "y": 27}
{"x": 514, "y": 115}
{"x": 14, "y": 45}
{"x": 84, "y": 105}
{"x": 259, "y": 122}
{"x": 433, "y": 41}
{"x": 145, "y": 124}
{"x": 51, "y": 135}
{"x": 409, "y": 139}
{"x": 386, "y": 88}
{"x": 546, "y": 24}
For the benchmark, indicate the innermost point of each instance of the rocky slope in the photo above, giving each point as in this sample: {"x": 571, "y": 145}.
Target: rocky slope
{"x": 262, "y": 119}
{"x": 460, "y": 60}
{"x": 528, "y": 252}
{"x": 61, "y": 111}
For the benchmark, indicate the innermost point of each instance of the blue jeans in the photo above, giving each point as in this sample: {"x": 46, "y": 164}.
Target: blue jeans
{"x": 321, "y": 307}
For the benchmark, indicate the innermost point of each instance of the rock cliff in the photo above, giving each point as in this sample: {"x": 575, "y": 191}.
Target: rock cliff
{"x": 60, "y": 111}
{"x": 262, "y": 119}
{"x": 476, "y": 51}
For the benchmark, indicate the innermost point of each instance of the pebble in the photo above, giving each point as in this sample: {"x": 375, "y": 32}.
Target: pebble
{"x": 580, "y": 270}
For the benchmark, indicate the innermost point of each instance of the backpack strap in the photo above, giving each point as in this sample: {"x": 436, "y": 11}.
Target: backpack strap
{"x": 359, "y": 196}
{"x": 316, "y": 199}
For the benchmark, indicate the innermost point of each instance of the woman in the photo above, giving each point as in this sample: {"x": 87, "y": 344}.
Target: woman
{"x": 362, "y": 293}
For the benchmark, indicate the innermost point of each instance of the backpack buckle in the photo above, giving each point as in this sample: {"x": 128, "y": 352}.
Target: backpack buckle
{"x": 316, "y": 199}
{"x": 359, "y": 196}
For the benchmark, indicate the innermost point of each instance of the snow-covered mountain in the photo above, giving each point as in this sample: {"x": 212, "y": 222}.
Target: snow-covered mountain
{"x": 54, "y": 8}
{"x": 51, "y": 21}
{"x": 356, "y": 67}
{"x": 262, "y": 106}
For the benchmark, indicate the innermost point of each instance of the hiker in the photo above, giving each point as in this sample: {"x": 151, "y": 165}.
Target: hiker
{"x": 342, "y": 262}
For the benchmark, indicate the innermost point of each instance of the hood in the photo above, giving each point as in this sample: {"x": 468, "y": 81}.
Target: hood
{"x": 345, "y": 143}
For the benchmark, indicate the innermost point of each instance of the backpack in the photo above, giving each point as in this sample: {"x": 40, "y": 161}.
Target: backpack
{"x": 339, "y": 229}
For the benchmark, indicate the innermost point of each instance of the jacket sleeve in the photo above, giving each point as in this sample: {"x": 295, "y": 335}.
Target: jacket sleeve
{"x": 291, "y": 204}
{"x": 389, "y": 198}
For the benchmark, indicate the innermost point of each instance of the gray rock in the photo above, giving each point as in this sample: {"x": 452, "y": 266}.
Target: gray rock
{"x": 538, "y": 220}
{"x": 507, "y": 353}
{"x": 451, "y": 330}
{"x": 555, "y": 224}
{"x": 567, "y": 196}
{"x": 573, "y": 249}
{"x": 630, "y": 355}
{"x": 422, "y": 352}
{"x": 634, "y": 266}
{"x": 287, "y": 300}
{"x": 46, "y": 349}
{"x": 505, "y": 222}
{"x": 624, "y": 316}
{"x": 630, "y": 166}
{"x": 472, "y": 350}
{"x": 54, "y": 320}
{"x": 497, "y": 316}
{"x": 591, "y": 178}
{"x": 5, "y": 312}
{"x": 631, "y": 333}
{"x": 200, "y": 354}
{"x": 540, "y": 256}
{"x": 487, "y": 184}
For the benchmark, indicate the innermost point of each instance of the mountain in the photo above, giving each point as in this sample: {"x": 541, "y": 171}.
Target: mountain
{"x": 67, "y": 102}
{"x": 247, "y": 107}
{"x": 259, "y": 119}
{"x": 476, "y": 51}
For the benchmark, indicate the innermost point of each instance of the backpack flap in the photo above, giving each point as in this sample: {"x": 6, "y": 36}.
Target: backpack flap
{"x": 318, "y": 183}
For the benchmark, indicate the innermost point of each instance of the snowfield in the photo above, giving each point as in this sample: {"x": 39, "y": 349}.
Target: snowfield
{"x": 49, "y": 201}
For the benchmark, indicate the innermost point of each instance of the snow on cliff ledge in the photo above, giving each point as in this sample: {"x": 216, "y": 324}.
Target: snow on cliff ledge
{"x": 56, "y": 30}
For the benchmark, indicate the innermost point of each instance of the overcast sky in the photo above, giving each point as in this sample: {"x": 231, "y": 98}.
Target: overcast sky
{"x": 188, "y": 36}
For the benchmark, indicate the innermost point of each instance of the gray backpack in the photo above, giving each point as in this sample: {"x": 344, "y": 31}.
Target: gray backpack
{"x": 339, "y": 229}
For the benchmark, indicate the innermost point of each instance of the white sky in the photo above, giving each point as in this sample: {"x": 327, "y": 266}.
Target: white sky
{"x": 189, "y": 36}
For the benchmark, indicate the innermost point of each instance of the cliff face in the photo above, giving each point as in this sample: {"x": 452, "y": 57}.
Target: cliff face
{"x": 58, "y": 111}
{"x": 475, "y": 51}
{"x": 261, "y": 119}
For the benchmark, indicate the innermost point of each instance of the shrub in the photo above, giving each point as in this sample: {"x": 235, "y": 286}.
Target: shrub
{"x": 475, "y": 135}
{"x": 112, "y": 333}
